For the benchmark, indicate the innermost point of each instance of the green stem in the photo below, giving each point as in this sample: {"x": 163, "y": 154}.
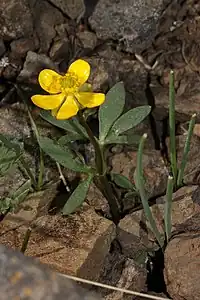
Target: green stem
{"x": 26, "y": 240}
{"x": 172, "y": 126}
{"x": 141, "y": 189}
{"x": 186, "y": 151}
{"x": 168, "y": 208}
{"x": 99, "y": 157}
{"x": 112, "y": 201}
{"x": 101, "y": 170}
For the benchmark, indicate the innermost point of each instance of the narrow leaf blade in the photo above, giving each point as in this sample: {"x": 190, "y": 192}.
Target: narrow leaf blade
{"x": 130, "y": 119}
{"x": 77, "y": 197}
{"x": 62, "y": 156}
{"x": 111, "y": 109}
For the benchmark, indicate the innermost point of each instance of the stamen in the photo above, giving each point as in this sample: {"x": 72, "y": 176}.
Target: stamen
{"x": 69, "y": 83}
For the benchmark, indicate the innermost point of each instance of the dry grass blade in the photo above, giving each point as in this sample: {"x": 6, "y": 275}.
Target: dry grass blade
{"x": 113, "y": 288}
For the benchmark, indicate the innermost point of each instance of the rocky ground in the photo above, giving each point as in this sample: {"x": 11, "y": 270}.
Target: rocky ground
{"x": 138, "y": 42}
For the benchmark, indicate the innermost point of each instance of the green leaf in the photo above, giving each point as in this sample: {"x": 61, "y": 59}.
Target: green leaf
{"x": 62, "y": 156}
{"x": 8, "y": 158}
{"x": 77, "y": 197}
{"x": 122, "y": 139}
{"x": 22, "y": 191}
{"x": 111, "y": 109}
{"x": 69, "y": 138}
{"x": 10, "y": 145}
{"x": 122, "y": 181}
{"x": 130, "y": 119}
{"x": 9, "y": 203}
{"x": 5, "y": 205}
{"x": 71, "y": 125}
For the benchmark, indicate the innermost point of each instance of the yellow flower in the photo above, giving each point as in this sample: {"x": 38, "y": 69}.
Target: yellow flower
{"x": 67, "y": 92}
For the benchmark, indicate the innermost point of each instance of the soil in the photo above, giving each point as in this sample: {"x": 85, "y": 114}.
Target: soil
{"x": 52, "y": 34}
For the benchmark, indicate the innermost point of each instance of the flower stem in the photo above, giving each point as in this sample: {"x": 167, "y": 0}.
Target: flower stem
{"x": 168, "y": 208}
{"x": 172, "y": 127}
{"x": 99, "y": 159}
{"x": 102, "y": 178}
{"x": 142, "y": 192}
{"x": 186, "y": 151}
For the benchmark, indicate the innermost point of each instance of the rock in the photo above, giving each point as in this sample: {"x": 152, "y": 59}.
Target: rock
{"x": 74, "y": 9}
{"x": 19, "y": 48}
{"x": 187, "y": 92}
{"x": 16, "y": 124}
{"x": 97, "y": 200}
{"x": 76, "y": 245}
{"x": 182, "y": 257}
{"x": 2, "y": 47}
{"x": 133, "y": 231}
{"x": 34, "y": 63}
{"x": 122, "y": 273}
{"x": 16, "y": 19}
{"x": 153, "y": 166}
{"x": 133, "y": 24}
{"x": 13, "y": 67}
{"x": 21, "y": 275}
{"x": 60, "y": 50}
{"x": 88, "y": 39}
{"x": 110, "y": 66}
{"x": 46, "y": 17}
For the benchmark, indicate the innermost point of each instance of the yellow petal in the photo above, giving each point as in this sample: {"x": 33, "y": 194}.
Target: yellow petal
{"x": 50, "y": 81}
{"x": 48, "y": 101}
{"x": 90, "y": 99}
{"x": 68, "y": 109}
{"x": 80, "y": 69}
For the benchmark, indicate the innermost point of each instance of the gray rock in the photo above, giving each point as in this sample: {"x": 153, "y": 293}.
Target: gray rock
{"x": 20, "y": 47}
{"x": 88, "y": 39}
{"x": 182, "y": 257}
{"x": 16, "y": 19}
{"x": 46, "y": 17}
{"x": 133, "y": 23}
{"x": 42, "y": 283}
{"x": 34, "y": 63}
{"x": 2, "y": 47}
{"x": 134, "y": 233}
{"x": 60, "y": 50}
{"x": 110, "y": 66}
{"x": 73, "y": 8}
{"x": 124, "y": 273}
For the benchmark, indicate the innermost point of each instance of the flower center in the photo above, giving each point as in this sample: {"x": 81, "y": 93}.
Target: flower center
{"x": 69, "y": 84}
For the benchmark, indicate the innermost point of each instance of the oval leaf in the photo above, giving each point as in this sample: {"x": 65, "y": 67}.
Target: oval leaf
{"x": 77, "y": 197}
{"x": 122, "y": 181}
{"x": 63, "y": 156}
{"x": 111, "y": 109}
{"x": 130, "y": 119}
